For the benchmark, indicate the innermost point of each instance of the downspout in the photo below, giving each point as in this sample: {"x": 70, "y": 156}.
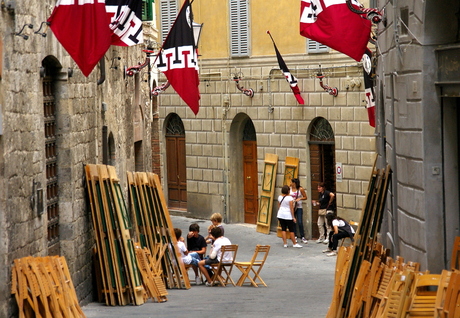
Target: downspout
{"x": 102, "y": 66}
{"x": 394, "y": 178}
{"x": 226, "y": 198}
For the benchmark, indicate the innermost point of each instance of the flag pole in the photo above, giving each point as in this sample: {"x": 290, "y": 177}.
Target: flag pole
{"x": 268, "y": 32}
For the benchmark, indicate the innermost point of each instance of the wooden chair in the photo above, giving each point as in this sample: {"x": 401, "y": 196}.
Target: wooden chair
{"x": 399, "y": 291}
{"x": 188, "y": 266}
{"x": 354, "y": 225}
{"x": 223, "y": 270}
{"x": 423, "y": 295}
{"x": 441, "y": 294}
{"x": 450, "y": 308}
{"x": 455, "y": 258}
{"x": 254, "y": 266}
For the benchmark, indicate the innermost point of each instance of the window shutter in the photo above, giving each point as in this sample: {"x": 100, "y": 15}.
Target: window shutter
{"x": 147, "y": 10}
{"x": 239, "y": 28}
{"x": 316, "y": 47}
{"x": 169, "y": 13}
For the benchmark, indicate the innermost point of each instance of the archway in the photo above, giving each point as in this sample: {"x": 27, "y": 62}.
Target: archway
{"x": 243, "y": 165}
{"x": 176, "y": 169}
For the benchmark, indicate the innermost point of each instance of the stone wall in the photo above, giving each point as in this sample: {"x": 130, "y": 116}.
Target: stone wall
{"x": 80, "y": 118}
{"x": 282, "y": 127}
{"x": 420, "y": 145}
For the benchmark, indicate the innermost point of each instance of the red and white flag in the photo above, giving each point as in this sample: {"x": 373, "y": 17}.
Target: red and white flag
{"x": 178, "y": 59}
{"x": 87, "y": 28}
{"x": 82, "y": 27}
{"x": 332, "y": 23}
{"x": 369, "y": 87}
{"x": 125, "y": 21}
{"x": 291, "y": 79}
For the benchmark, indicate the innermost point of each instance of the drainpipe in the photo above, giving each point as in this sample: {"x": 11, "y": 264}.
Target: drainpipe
{"x": 102, "y": 66}
{"x": 226, "y": 198}
{"x": 394, "y": 177}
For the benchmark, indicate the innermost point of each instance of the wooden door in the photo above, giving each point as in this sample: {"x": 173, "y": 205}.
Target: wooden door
{"x": 322, "y": 169}
{"x": 250, "y": 181}
{"x": 176, "y": 171}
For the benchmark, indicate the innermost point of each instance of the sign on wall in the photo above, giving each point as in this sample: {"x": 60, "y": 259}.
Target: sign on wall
{"x": 338, "y": 172}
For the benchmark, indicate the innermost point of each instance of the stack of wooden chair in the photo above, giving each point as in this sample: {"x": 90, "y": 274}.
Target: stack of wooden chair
{"x": 370, "y": 284}
{"x": 121, "y": 270}
{"x": 395, "y": 289}
{"x": 43, "y": 287}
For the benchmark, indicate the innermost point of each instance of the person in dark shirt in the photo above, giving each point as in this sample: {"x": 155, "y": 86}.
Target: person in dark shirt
{"x": 195, "y": 241}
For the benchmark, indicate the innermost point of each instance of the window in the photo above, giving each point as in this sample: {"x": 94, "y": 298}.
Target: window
{"x": 316, "y": 47}
{"x": 168, "y": 9}
{"x": 239, "y": 28}
{"x": 147, "y": 10}
{"x": 404, "y": 21}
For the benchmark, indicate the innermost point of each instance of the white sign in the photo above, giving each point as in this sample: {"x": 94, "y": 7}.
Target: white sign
{"x": 338, "y": 172}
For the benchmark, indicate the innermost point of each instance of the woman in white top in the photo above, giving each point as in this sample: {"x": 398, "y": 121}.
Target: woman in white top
{"x": 340, "y": 230}
{"x": 299, "y": 195}
{"x": 286, "y": 215}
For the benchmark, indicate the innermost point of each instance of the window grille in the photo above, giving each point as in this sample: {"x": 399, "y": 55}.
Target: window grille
{"x": 321, "y": 131}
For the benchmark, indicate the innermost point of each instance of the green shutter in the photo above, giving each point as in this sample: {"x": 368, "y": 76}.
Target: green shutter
{"x": 147, "y": 10}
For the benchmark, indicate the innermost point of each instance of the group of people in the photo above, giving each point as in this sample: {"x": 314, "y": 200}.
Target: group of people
{"x": 331, "y": 227}
{"x": 194, "y": 253}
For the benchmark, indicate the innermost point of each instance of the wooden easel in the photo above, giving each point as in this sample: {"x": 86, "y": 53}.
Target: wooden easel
{"x": 267, "y": 194}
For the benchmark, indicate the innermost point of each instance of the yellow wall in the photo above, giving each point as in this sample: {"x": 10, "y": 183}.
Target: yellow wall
{"x": 215, "y": 33}
{"x": 280, "y": 17}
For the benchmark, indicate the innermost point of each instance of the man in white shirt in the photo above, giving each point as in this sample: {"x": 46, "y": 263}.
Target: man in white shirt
{"x": 216, "y": 254}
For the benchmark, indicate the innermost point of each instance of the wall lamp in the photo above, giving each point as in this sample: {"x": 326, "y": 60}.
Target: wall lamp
{"x": 36, "y": 199}
{"x": 10, "y": 6}
{"x": 43, "y": 34}
{"x": 334, "y": 91}
{"x": 237, "y": 77}
{"x": 24, "y": 36}
{"x": 113, "y": 66}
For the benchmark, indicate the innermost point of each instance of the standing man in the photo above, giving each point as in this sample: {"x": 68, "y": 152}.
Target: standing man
{"x": 325, "y": 201}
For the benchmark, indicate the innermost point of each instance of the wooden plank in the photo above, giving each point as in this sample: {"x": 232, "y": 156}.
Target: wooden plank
{"x": 365, "y": 237}
{"x": 100, "y": 234}
{"x": 166, "y": 221}
{"x": 124, "y": 225}
{"x": 114, "y": 253}
{"x": 267, "y": 193}
{"x": 291, "y": 171}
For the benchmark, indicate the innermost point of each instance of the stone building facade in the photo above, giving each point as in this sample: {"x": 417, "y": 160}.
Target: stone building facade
{"x": 417, "y": 93}
{"x": 213, "y": 149}
{"x": 53, "y": 121}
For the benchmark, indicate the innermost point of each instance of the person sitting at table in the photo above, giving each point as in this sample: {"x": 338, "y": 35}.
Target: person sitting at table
{"x": 216, "y": 254}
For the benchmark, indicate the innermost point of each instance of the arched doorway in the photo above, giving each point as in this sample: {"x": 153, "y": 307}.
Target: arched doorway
{"x": 243, "y": 203}
{"x": 322, "y": 162}
{"x": 250, "y": 173}
{"x": 176, "y": 169}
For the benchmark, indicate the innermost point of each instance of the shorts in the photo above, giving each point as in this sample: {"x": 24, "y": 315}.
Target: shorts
{"x": 209, "y": 261}
{"x": 287, "y": 224}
